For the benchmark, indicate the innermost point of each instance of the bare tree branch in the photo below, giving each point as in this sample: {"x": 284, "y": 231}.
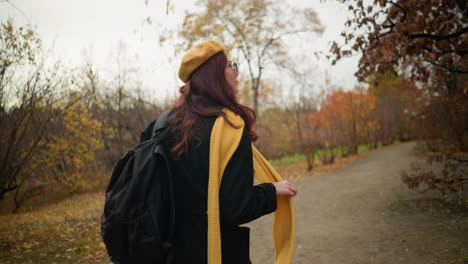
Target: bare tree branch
{"x": 439, "y": 37}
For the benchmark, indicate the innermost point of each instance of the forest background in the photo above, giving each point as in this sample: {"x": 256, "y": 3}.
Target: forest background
{"x": 63, "y": 129}
{"x": 66, "y": 128}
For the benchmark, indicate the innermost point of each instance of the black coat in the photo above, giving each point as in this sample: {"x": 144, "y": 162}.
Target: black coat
{"x": 240, "y": 201}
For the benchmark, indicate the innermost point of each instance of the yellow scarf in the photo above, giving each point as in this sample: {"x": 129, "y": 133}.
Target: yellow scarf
{"x": 223, "y": 143}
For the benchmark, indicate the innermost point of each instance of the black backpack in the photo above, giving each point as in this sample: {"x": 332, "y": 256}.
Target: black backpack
{"x": 137, "y": 224}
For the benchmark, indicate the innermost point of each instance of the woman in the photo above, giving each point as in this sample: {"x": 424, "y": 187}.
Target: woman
{"x": 211, "y": 86}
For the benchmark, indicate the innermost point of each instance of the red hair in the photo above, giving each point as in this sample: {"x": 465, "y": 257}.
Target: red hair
{"x": 205, "y": 93}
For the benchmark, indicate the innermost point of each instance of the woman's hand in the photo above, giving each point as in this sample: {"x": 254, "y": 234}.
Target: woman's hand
{"x": 284, "y": 188}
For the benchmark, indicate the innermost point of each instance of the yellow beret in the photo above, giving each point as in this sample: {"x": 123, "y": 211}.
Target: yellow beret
{"x": 196, "y": 56}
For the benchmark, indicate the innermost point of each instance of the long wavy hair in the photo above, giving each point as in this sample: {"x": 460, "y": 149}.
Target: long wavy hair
{"x": 205, "y": 93}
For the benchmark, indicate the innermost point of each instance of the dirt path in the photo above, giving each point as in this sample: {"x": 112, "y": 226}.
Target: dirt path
{"x": 364, "y": 214}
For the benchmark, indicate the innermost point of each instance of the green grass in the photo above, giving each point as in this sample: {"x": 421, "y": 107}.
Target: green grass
{"x": 293, "y": 158}
{"x": 289, "y": 159}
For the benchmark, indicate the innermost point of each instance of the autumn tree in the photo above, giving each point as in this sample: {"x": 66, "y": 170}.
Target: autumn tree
{"x": 427, "y": 43}
{"x": 330, "y": 137}
{"x": 306, "y": 131}
{"x": 443, "y": 127}
{"x": 388, "y": 111}
{"x": 425, "y": 35}
{"x": 276, "y": 133}
{"x": 254, "y": 31}
{"x": 26, "y": 103}
{"x": 423, "y": 41}
{"x": 71, "y": 149}
{"x": 397, "y": 101}
{"x": 303, "y": 105}
{"x": 46, "y": 137}
{"x": 349, "y": 114}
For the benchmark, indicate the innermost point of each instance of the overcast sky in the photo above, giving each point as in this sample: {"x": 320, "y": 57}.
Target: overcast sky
{"x": 90, "y": 30}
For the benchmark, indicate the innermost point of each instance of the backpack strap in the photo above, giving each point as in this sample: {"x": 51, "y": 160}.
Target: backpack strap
{"x": 161, "y": 122}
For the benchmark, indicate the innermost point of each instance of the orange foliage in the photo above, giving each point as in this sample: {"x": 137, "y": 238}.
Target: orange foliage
{"x": 345, "y": 118}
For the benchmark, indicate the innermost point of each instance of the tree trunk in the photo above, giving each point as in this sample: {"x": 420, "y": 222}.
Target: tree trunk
{"x": 255, "y": 99}
{"x": 17, "y": 201}
{"x": 310, "y": 158}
